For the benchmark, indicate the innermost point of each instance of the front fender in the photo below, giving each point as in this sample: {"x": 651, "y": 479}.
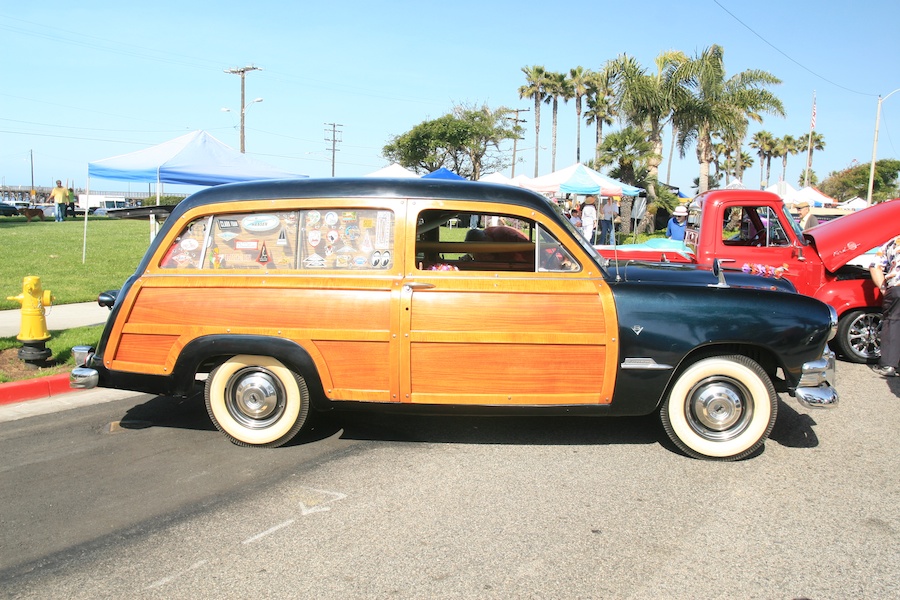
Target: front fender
{"x": 849, "y": 294}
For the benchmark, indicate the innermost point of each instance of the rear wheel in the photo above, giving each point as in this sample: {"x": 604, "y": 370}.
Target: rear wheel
{"x": 720, "y": 408}
{"x": 256, "y": 401}
{"x": 858, "y": 338}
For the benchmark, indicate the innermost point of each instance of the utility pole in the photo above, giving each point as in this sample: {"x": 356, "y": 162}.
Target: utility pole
{"x": 516, "y": 122}
{"x": 335, "y": 134}
{"x": 242, "y": 71}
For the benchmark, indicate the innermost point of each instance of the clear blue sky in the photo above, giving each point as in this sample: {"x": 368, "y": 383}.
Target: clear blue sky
{"x": 83, "y": 81}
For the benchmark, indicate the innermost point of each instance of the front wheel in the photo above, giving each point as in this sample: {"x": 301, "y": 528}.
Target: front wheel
{"x": 256, "y": 401}
{"x": 858, "y": 338}
{"x": 720, "y": 408}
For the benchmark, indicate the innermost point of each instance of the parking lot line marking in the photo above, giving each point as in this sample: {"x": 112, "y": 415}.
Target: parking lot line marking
{"x": 271, "y": 530}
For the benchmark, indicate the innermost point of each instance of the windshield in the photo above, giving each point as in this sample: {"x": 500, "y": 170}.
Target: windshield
{"x": 789, "y": 219}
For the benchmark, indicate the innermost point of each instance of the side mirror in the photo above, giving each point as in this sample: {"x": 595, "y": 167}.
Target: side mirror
{"x": 108, "y": 298}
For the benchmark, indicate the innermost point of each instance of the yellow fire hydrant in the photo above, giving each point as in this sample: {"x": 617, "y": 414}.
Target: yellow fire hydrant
{"x": 33, "y": 331}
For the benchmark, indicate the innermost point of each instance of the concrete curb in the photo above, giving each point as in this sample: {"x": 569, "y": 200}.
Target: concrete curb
{"x": 32, "y": 389}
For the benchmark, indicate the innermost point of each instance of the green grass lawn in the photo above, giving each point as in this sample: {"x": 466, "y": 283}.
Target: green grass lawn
{"x": 53, "y": 252}
{"x": 60, "y": 345}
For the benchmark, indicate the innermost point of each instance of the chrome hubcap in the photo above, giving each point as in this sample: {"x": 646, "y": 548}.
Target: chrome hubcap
{"x": 717, "y": 408}
{"x": 255, "y": 397}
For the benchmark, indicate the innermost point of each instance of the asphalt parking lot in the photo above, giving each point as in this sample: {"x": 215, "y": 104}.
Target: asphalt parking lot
{"x": 376, "y": 506}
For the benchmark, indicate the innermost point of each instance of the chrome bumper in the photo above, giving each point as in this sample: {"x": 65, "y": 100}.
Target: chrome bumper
{"x": 83, "y": 377}
{"x": 816, "y": 383}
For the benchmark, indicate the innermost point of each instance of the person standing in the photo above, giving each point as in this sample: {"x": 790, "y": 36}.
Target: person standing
{"x": 609, "y": 211}
{"x": 677, "y": 224}
{"x": 589, "y": 218}
{"x": 70, "y": 201}
{"x": 807, "y": 220}
{"x": 884, "y": 271}
{"x": 60, "y": 196}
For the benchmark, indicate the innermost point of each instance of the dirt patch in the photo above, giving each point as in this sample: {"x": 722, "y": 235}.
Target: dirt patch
{"x": 14, "y": 369}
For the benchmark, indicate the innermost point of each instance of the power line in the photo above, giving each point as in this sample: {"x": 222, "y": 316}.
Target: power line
{"x": 780, "y": 51}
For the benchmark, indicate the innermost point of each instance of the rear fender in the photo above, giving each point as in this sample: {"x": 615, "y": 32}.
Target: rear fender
{"x": 206, "y": 352}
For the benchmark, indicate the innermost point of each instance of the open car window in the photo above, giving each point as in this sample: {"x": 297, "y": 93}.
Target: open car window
{"x": 753, "y": 226}
{"x": 454, "y": 241}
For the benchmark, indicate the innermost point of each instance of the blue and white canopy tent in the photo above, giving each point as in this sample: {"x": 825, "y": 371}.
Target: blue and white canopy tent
{"x": 579, "y": 179}
{"x": 193, "y": 159}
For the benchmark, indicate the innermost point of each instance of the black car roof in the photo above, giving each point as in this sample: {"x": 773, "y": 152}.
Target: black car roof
{"x": 366, "y": 188}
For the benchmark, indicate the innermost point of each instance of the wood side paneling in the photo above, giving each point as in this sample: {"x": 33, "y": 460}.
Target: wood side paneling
{"x": 146, "y": 349}
{"x": 522, "y": 374}
{"x": 361, "y": 366}
{"x": 242, "y": 307}
{"x": 508, "y": 312}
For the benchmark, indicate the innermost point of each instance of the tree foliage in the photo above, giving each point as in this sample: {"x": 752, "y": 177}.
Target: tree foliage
{"x": 465, "y": 141}
{"x": 854, "y": 181}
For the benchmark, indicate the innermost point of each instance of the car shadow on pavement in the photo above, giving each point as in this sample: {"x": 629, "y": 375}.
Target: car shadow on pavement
{"x": 793, "y": 429}
{"x": 530, "y": 430}
{"x": 166, "y": 411}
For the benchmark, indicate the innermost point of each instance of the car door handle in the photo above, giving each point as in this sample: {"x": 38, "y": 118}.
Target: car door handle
{"x": 418, "y": 285}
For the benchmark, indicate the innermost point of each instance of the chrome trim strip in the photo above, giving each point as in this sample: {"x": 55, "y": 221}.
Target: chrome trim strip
{"x": 647, "y": 364}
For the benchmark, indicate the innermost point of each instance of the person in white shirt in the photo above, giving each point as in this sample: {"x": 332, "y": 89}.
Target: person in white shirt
{"x": 609, "y": 210}
{"x": 589, "y": 218}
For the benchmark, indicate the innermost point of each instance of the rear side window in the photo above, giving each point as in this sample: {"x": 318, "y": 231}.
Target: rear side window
{"x": 298, "y": 240}
{"x": 448, "y": 240}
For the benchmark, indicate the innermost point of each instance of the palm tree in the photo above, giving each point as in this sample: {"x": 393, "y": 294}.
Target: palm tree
{"x": 579, "y": 78}
{"x": 722, "y": 105}
{"x": 764, "y": 143}
{"x": 818, "y": 143}
{"x": 721, "y": 153}
{"x": 536, "y": 80}
{"x": 556, "y": 89}
{"x": 629, "y": 152}
{"x": 600, "y": 105}
{"x": 739, "y": 164}
{"x": 648, "y": 100}
{"x": 784, "y": 147}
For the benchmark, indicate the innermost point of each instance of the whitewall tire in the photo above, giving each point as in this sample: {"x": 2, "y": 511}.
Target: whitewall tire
{"x": 256, "y": 401}
{"x": 720, "y": 408}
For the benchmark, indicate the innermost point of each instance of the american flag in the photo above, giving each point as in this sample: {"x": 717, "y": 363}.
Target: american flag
{"x": 812, "y": 123}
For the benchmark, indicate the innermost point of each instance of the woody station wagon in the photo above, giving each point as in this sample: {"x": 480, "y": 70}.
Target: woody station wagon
{"x": 427, "y": 295}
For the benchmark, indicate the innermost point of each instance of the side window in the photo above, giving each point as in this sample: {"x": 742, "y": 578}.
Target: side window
{"x": 253, "y": 241}
{"x": 454, "y": 241}
{"x": 286, "y": 240}
{"x": 753, "y": 226}
{"x": 346, "y": 239}
{"x": 186, "y": 252}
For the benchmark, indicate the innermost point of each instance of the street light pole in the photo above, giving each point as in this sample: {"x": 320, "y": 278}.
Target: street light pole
{"x": 875, "y": 147}
{"x": 242, "y": 71}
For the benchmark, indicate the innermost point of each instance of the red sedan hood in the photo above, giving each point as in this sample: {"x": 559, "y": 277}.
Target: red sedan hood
{"x": 845, "y": 238}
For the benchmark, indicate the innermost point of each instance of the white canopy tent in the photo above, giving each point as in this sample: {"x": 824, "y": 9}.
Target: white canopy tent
{"x": 394, "y": 170}
{"x": 854, "y": 204}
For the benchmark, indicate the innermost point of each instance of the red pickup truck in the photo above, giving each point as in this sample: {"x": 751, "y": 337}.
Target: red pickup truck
{"x": 753, "y": 231}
